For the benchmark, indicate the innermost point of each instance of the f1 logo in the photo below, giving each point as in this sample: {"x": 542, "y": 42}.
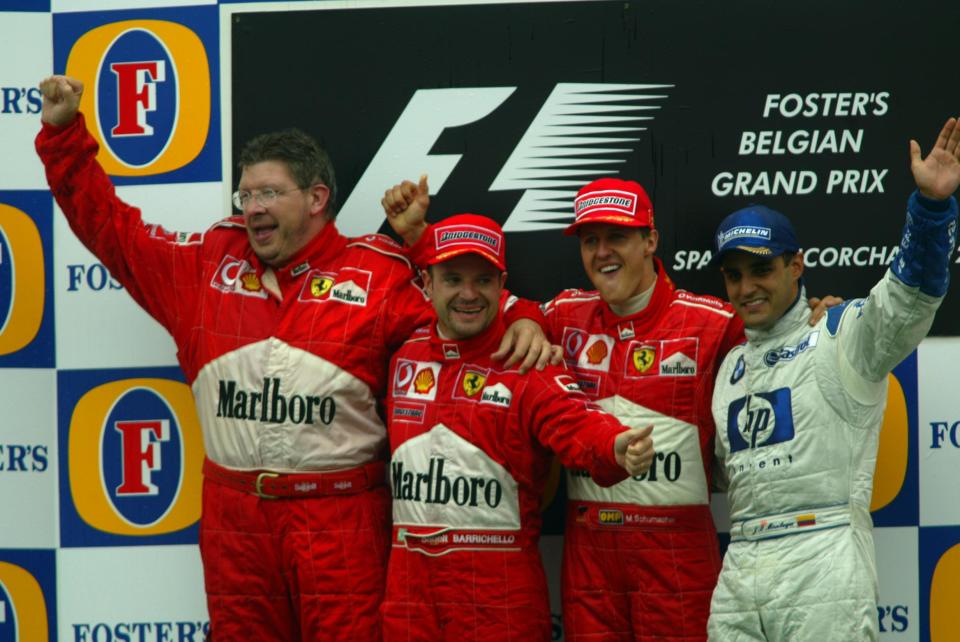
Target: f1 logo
{"x": 140, "y": 444}
{"x": 136, "y": 95}
{"x": 762, "y": 419}
{"x": 570, "y": 118}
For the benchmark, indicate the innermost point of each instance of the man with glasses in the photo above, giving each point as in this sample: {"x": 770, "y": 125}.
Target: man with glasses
{"x": 284, "y": 328}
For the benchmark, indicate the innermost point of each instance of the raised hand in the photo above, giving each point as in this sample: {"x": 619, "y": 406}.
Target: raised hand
{"x": 406, "y": 207}
{"x": 61, "y": 99}
{"x": 938, "y": 175}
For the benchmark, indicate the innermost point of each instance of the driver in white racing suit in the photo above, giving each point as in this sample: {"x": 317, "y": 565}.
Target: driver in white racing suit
{"x": 798, "y": 413}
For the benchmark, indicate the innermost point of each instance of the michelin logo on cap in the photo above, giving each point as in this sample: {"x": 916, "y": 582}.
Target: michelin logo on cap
{"x": 743, "y": 232}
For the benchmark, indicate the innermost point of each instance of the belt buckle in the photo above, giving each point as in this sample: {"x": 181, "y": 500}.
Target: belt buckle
{"x": 258, "y": 487}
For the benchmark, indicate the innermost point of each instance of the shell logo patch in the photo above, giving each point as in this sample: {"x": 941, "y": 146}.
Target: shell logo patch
{"x": 597, "y": 352}
{"x": 424, "y": 381}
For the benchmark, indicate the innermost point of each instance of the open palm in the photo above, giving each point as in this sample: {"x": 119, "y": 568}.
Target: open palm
{"x": 938, "y": 175}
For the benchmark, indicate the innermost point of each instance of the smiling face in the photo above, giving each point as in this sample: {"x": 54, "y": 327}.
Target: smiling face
{"x": 760, "y": 289}
{"x": 465, "y": 292}
{"x": 277, "y": 232}
{"x": 618, "y": 259}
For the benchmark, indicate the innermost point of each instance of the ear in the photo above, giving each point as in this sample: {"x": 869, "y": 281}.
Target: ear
{"x": 653, "y": 241}
{"x": 319, "y": 195}
{"x": 426, "y": 276}
{"x": 796, "y": 265}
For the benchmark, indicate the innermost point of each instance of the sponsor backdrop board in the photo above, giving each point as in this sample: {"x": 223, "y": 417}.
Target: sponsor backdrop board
{"x": 508, "y": 107}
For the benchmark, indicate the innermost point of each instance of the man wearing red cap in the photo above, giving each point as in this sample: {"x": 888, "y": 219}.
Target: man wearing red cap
{"x": 470, "y": 447}
{"x": 646, "y": 352}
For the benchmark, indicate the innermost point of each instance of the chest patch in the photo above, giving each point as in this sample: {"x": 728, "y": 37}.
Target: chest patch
{"x": 587, "y": 351}
{"x": 788, "y": 353}
{"x": 667, "y": 358}
{"x": 416, "y": 379}
{"x": 237, "y": 276}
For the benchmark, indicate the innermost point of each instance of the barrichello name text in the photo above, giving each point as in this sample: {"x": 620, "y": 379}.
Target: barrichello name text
{"x": 269, "y": 405}
{"x": 433, "y": 487}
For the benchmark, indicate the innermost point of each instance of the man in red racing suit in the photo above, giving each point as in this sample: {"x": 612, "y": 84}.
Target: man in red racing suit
{"x": 283, "y": 328}
{"x": 641, "y": 557}
{"x": 471, "y": 449}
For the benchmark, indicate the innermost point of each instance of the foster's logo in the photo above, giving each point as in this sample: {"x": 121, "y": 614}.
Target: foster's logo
{"x": 148, "y": 94}
{"x": 22, "y": 280}
{"x": 23, "y": 610}
{"x": 135, "y": 453}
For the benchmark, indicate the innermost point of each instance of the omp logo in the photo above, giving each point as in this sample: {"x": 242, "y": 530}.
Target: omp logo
{"x": 581, "y": 130}
{"x": 135, "y": 454}
{"x": 762, "y": 419}
{"x": 148, "y": 90}
{"x": 23, "y": 610}
{"x": 22, "y": 280}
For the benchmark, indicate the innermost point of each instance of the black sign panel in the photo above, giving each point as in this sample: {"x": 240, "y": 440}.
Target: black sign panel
{"x": 711, "y": 106}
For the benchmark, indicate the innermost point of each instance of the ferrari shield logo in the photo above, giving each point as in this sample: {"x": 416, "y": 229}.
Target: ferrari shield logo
{"x": 643, "y": 357}
{"x": 473, "y": 383}
{"x": 320, "y": 285}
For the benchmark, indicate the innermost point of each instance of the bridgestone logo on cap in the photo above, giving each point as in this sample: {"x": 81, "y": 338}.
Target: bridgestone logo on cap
{"x": 743, "y": 232}
{"x": 468, "y": 235}
{"x": 610, "y": 201}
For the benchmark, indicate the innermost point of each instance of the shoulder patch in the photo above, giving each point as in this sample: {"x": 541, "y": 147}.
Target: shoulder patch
{"x": 382, "y": 244}
{"x": 704, "y": 299}
{"x": 835, "y": 314}
{"x": 703, "y": 302}
{"x": 573, "y": 295}
{"x": 231, "y": 222}
{"x": 420, "y": 334}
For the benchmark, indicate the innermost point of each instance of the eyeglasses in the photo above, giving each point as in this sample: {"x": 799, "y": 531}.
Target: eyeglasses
{"x": 264, "y": 197}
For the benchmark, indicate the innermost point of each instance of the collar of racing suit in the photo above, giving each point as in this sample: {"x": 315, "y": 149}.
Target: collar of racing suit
{"x": 796, "y": 315}
{"x": 476, "y": 347}
{"x": 328, "y": 243}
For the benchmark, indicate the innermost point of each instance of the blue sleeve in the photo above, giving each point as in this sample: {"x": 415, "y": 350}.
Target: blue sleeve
{"x": 929, "y": 236}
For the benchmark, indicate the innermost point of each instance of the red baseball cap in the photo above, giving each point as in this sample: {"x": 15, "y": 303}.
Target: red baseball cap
{"x": 468, "y": 234}
{"x": 614, "y": 201}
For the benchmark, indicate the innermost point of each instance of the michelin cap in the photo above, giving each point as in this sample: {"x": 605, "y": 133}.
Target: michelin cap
{"x": 757, "y": 230}
{"x": 614, "y": 201}
{"x": 468, "y": 234}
